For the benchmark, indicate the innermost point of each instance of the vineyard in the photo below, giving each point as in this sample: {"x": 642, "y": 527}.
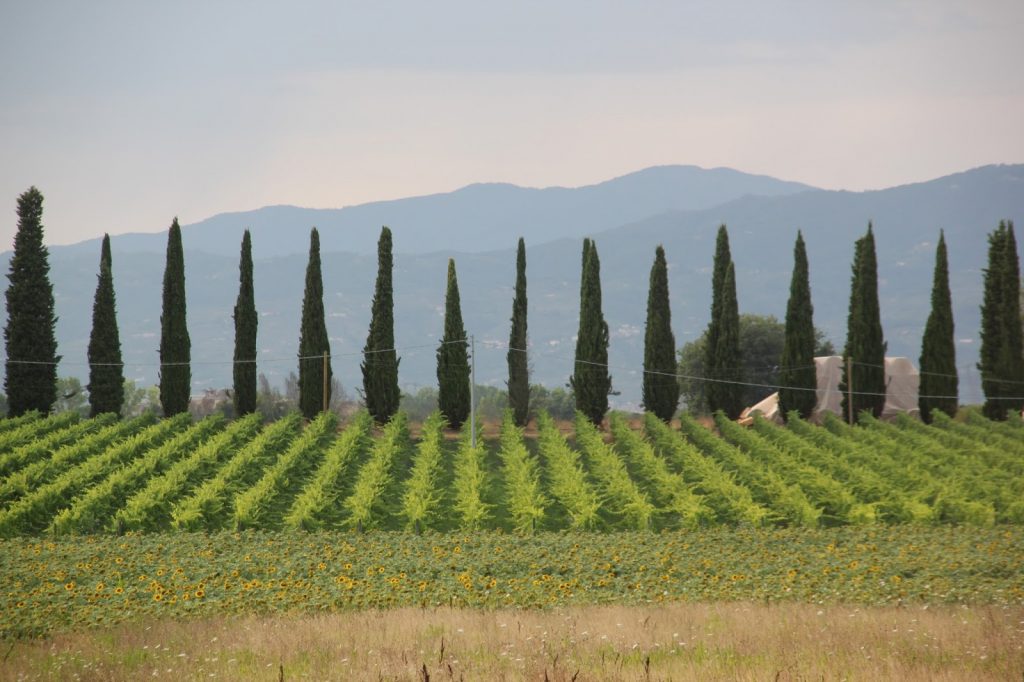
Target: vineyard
{"x": 62, "y": 476}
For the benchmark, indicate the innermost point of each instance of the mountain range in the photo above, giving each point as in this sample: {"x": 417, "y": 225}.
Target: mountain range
{"x": 679, "y": 207}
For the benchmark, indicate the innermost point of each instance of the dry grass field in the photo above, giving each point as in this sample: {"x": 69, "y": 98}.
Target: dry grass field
{"x": 723, "y": 641}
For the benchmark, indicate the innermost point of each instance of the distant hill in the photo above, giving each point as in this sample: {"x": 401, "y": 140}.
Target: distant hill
{"x": 476, "y": 218}
{"x": 762, "y": 229}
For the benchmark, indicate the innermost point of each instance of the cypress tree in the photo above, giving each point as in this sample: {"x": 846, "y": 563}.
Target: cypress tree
{"x": 246, "y": 323}
{"x": 452, "y": 358}
{"x": 106, "y": 373}
{"x": 590, "y": 381}
{"x": 864, "y": 342}
{"x": 518, "y": 369}
{"x": 722, "y": 353}
{"x": 175, "y": 346}
{"x": 727, "y": 354}
{"x": 313, "y": 341}
{"x": 31, "y": 366}
{"x": 938, "y": 348}
{"x": 380, "y": 360}
{"x": 798, "y": 375}
{"x": 1001, "y": 362}
{"x": 660, "y": 388}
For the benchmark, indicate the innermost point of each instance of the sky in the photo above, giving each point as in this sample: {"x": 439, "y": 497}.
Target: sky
{"x": 126, "y": 114}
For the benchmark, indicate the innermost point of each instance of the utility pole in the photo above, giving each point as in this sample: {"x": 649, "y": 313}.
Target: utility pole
{"x": 472, "y": 391}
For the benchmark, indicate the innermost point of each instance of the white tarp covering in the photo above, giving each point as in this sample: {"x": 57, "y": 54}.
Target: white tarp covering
{"x": 902, "y": 384}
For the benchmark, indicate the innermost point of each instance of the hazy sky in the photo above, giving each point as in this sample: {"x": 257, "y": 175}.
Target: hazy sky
{"x": 125, "y": 114}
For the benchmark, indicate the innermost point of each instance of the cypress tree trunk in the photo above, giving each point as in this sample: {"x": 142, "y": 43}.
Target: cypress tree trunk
{"x": 864, "y": 342}
{"x": 938, "y": 347}
{"x": 798, "y": 376}
{"x": 722, "y": 353}
{"x": 106, "y": 372}
{"x": 380, "y": 360}
{"x": 313, "y": 341}
{"x": 246, "y": 323}
{"x": 175, "y": 346}
{"x": 452, "y": 358}
{"x": 590, "y": 381}
{"x": 1000, "y": 362}
{"x": 660, "y": 387}
{"x": 518, "y": 368}
{"x": 31, "y": 366}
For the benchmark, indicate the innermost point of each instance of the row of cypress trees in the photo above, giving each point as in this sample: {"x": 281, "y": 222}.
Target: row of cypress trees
{"x": 30, "y": 379}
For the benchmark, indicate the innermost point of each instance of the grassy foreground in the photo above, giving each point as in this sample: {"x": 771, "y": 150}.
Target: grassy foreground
{"x": 733, "y": 641}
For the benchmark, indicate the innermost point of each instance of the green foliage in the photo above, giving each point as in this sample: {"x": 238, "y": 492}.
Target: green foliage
{"x": 557, "y": 402}
{"x": 30, "y": 381}
{"x": 591, "y": 383}
{"x": 258, "y": 506}
{"x": 524, "y": 496}
{"x": 246, "y": 324}
{"x": 788, "y": 503}
{"x": 939, "y": 382}
{"x": 422, "y": 495}
{"x": 471, "y": 482}
{"x": 42, "y": 444}
{"x": 762, "y": 338}
{"x": 91, "y": 510}
{"x": 571, "y": 492}
{"x": 838, "y": 505}
{"x": 314, "y": 345}
{"x": 1001, "y": 358}
{"x": 620, "y": 493}
{"x": 798, "y": 379}
{"x": 730, "y": 502}
{"x": 30, "y": 427}
{"x": 518, "y": 366}
{"x": 452, "y": 358}
{"x": 670, "y": 493}
{"x": 366, "y": 506}
{"x": 63, "y": 448}
{"x": 149, "y": 509}
{"x": 722, "y": 359}
{"x": 175, "y": 346}
{"x": 864, "y": 343}
{"x": 211, "y": 505}
{"x": 660, "y": 387}
{"x": 317, "y": 505}
{"x": 33, "y": 512}
{"x": 380, "y": 360}
{"x": 106, "y": 372}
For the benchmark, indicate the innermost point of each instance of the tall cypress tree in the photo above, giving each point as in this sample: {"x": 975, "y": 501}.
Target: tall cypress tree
{"x": 452, "y": 358}
{"x": 1000, "y": 362}
{"x": 175, "y": 346}
{"x": 727, "y": 354}
{"x": 246, "y": 323}
{"x": 660, "y": 388}
{"x": 864, "y": 343}
{"x": 590, "y": 381}
{"x": 798, "y": 376}
{"x": 106, "y": 373}
{"x": 722, "y": 353}
{"x": 380, "y": 360}
{"x": 313, "y": 341}
{"x": 938, "y": 347}
{"x": 31, "y": 377}
{"x": 518, "y": 368}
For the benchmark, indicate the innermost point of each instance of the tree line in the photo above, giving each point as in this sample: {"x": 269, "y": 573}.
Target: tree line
{"x": 31, "y": 363}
